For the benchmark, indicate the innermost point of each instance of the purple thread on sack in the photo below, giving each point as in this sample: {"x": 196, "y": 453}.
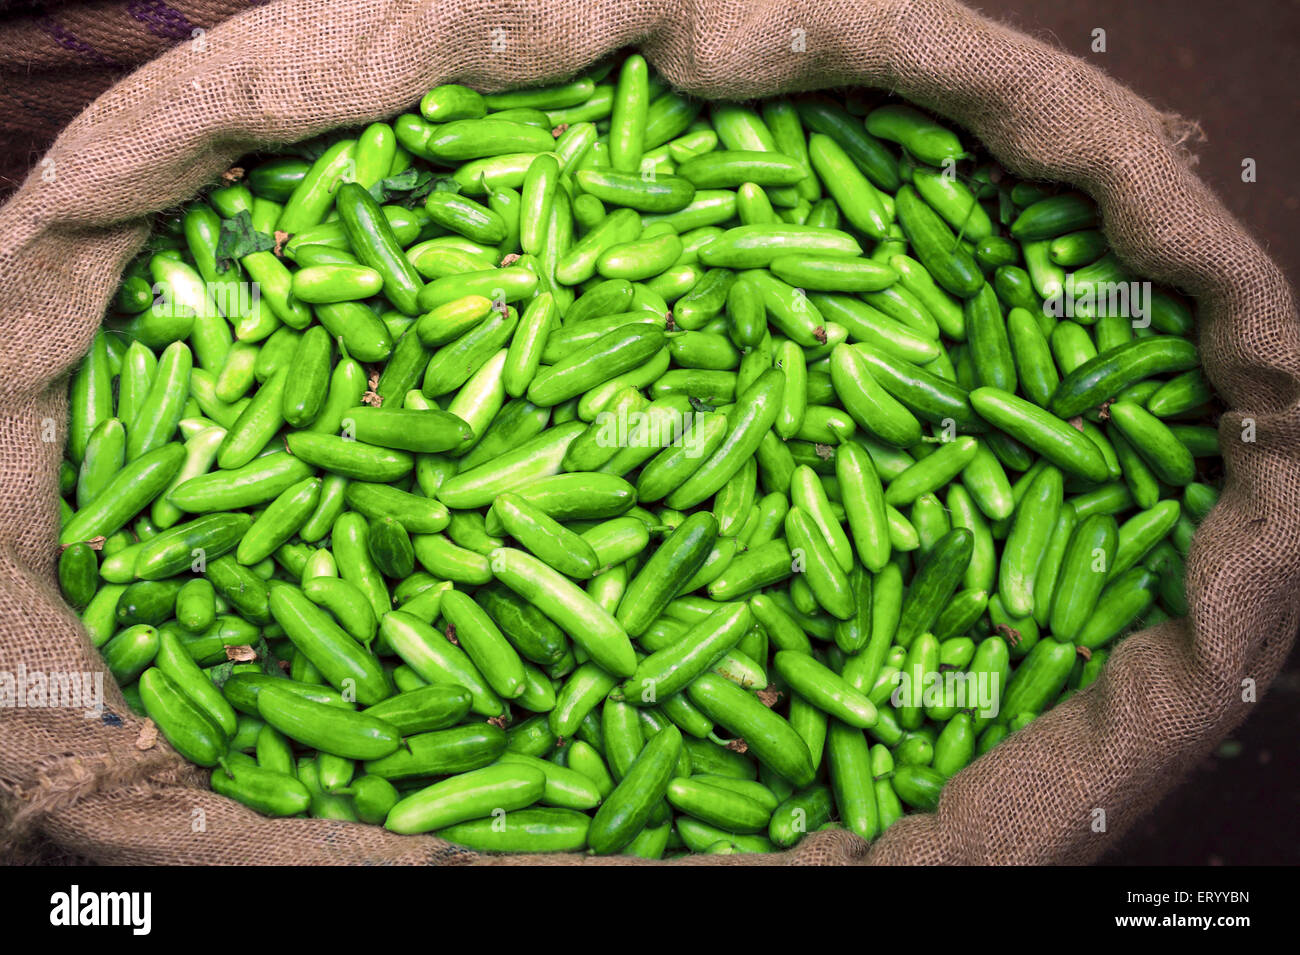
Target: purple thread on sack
{"x": 161, "y": 20}
{"x": 70, "y": 41}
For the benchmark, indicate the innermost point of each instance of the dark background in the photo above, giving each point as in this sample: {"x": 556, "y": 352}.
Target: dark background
{"x": 1229, "y": 66}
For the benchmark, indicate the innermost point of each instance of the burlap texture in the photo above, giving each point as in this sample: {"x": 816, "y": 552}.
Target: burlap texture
{"x": 1061, "y": 791}
{"x": 55, "y": 57}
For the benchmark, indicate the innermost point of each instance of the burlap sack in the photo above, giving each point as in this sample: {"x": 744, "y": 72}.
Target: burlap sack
{"x": 58, "y": 55}
{"x": 1061, "y": 791}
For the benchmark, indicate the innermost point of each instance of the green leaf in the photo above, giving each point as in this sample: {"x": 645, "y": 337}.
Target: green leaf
{"x": 410, "y": 186}
{"x": 701, "y": 406}
{"x": 404, "y": 181}
{"x": 220, "y": 673}
{"x": 445, "y": 184}
{"x": 238, "y": 238}
{"x": 266, "y": 659}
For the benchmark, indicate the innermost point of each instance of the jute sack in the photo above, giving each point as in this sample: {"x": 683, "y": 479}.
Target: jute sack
{"x": 58, "y": 55}
{"x": 1061, "y": 791}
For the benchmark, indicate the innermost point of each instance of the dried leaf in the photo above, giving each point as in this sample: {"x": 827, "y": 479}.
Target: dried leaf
{"x": 768, "y": 697}
{"x": 95, "y": 543}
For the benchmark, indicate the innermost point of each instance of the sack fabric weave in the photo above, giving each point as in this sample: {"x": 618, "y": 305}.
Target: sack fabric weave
{"x": 1061, "y": 791}
{"x": 58, "y": 55}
